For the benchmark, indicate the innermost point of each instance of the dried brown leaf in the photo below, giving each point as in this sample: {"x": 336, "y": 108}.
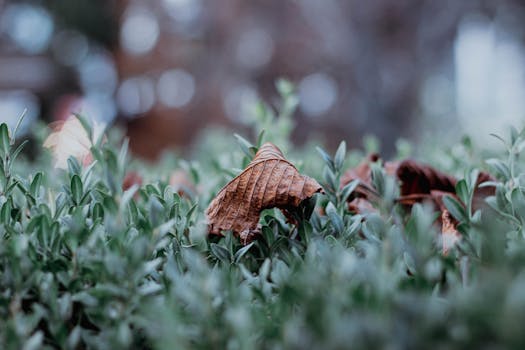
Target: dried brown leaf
{"x": 449, "y": 234}
{"x": 418, "y": 178}
{"x": 268, "y": 181}
{"x": 361, "y": 206}
{"x": 363, "y": 173}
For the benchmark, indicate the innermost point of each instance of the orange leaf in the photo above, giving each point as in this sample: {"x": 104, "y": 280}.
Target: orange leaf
{"x": 268, "y": 181}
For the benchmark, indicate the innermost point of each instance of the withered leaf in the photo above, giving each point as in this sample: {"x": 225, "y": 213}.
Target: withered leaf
{"x": 449, "y": 234}
{"x": 363, "y": 173}
{"x": 419, "y": 178}
{"x": 268, "y": 181}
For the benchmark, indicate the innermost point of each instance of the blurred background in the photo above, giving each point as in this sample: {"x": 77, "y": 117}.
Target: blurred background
{"x": 166, "y": 69}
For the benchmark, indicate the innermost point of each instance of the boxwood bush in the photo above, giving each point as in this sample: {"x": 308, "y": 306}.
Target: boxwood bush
{"x": 86, "y": 262}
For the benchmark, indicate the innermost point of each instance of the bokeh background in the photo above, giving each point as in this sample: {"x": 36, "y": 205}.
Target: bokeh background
{"x": 166, "y": 69}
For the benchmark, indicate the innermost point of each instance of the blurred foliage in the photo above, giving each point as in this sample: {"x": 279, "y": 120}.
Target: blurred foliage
{"x": 86, "y": 264}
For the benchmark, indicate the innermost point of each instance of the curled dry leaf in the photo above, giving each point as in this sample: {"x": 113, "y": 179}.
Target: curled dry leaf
{"x": 418, "y": 183}
{"x": 268, "y": 181}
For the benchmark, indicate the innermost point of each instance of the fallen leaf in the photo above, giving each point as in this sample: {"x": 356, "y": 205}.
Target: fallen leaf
{"x": 181, "y": 183}
{"x": 363, "y": 173}
{"x": 417, "y": 178}
{"x": 360, "y": 200}
{"x": 361, "y": 206}
{"x": 418, "y": 183}
{"x": 68, "y": 139}
{"x": 449, "y": 234}
{"x": 268, "y": 181}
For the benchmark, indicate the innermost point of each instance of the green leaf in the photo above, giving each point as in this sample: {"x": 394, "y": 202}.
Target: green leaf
{"x": 340, "y": 154}
{"x": 34, "y": 342}
{"x": 18, "y": 123}
{"x": 260, "y": 138}
{"x": 5, "y": 141}
{"x": 518, "y": 203}
{"x": 378, "y": 179}
{"x": 17, "y": 151}
{"x": 191, "y": 211}
{"x": 76, "y": 189}
{"x": 336, "y": 220}
{"x": 514, "y": 134}
{"x": 123, "y": 154}
{"x": 348, "y": 190}
{"x": 74, "y": 166}
{"x": 462, "y": 191}
{"x": 455, "y": 208}
{"x": 500, "y": 168}
{"x": 98, "y": 211}
{"x": 327, "y": 159}
{"x": 246, "y": 146}
{"x": 5, "y": 213}
{"x": 241, "y": 252}
{"x": 34, "y": 188}
{"x": 221, "y": 253}
{"x": 330, "y": 179}
{"x": 86, "y": 124}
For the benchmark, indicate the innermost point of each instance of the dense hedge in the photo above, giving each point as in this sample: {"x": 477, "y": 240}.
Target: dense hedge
{"x": 86, "y": 264}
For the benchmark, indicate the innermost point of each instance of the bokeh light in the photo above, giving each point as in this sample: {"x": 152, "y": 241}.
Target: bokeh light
{"x": 389, "y": 68}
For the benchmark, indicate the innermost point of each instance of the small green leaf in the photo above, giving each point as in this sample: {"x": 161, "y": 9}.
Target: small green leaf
{"x": 348, "y": 189}
{"x": 340, "y": 154}
{"x": 246, "y": 146}
{"x": 330, "y": 179}
{"x": 462, "y": 191}
{"x": 4, "y": 139}
{"x": 86, "y": 124}
{"x": 336, "y": 220}
{"x": 19, "y": 149}
{"x": 500, "y": 168}
{"x": 5, "y": 213}
{"x": 35, "y": 184}
{"x": 378, "y": 179}
{"x": 76, "y": 189}
{"x": 98, "y": 211}
{"x": 18, "y": 123}
{"x": 327, "y": 159}
{"x": 221, "y": 253}
{"x": 455, "y": 208}
{"x": 241, "y": 252}
{"x": 74, "y": 166}
{"x": 260, "y": 139}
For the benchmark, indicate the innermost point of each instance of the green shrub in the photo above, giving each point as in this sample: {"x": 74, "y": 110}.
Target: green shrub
{"x": 85, "y": 264}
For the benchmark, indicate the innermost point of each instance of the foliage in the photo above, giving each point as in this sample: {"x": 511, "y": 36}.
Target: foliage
{"x": 84, "y": 263}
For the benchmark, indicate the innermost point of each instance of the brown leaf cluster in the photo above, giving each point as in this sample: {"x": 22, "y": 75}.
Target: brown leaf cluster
{"x": 269, "y": 181}
{"x": 418, "y": 183}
